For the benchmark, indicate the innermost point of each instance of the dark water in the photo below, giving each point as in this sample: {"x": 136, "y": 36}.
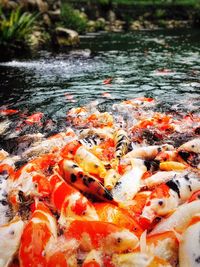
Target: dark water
{"x": 47, "y": 82}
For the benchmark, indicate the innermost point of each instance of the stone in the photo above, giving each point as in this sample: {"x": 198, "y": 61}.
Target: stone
{"x": 91, "y": 26}
{"x": 111, "y": 16}
{"x": 42, "y": 6}
{"x": 136, "y": 25}
{"x": 38, "y": 38}
{"x": 100, "y": 24}
{"x": 12, "y": 5}
{"x": 66, "y": 37}
{"x": 46, "y": 19}
{"x": 29, "y": 4}
{"x": 54, "y": 14}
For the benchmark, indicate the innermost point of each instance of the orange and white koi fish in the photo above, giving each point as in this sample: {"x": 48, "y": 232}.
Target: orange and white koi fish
{"x": 108, "y": 81}
{"x": 167, "y": 197}
{"x": 110, "y": 213}
{"x": 10, "y": 236}
{"x": 70, "y": 203}
{"x": 36, "y": 235}
{"x": 112, "y": 237}
{"x": 93, "y": 258}
{"x": 31, "y": 179}
{"x": 62, "y": 252}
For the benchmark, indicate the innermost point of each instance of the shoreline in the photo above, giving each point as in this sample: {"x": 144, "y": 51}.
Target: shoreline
{"x": 61, "y": 24}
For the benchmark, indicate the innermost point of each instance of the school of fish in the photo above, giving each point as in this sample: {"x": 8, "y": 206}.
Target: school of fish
{"x": 113, "y": 189}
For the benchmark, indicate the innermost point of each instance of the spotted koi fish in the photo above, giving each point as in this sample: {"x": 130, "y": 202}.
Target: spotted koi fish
{"x": 167, "y": 197}
{"x": 121, "y": 143}
{"x": 75, "y": 175}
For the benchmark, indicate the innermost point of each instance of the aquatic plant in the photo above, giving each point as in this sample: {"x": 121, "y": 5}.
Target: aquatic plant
{"x": 73, "y": 19}
{"x": 15, "y": 29}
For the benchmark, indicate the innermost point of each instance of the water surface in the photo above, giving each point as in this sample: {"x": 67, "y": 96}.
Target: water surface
{"x": 54, "y": 82}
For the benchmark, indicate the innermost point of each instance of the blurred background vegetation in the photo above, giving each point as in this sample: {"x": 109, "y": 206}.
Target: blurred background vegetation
{"x": 34, "y": 23}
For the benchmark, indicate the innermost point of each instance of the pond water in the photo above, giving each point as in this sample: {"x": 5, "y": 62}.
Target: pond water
{"x": 160, "y": 64}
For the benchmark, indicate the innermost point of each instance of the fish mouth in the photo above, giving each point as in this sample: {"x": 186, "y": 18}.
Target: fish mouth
{"x": 191, "y": 158}
{"x": 184, "y": 155}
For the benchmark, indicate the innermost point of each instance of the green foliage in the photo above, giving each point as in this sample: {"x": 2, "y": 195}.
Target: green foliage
{"x": 104, "y": 2}
{"x": 16, "y": 28}
{"x": 160, "y": 13}
{"x": 73, "y": 19}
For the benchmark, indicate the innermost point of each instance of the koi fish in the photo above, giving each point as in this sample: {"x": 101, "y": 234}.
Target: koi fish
{"x": 93, "y": 258}
{"x": 5, "y": 209}
{"x": 172, "y": 166}
{"x": 130, "y": 183}
{"x": 159, "y": 178}
{"x": 4, "y": 126}
{"x": 10, "y": 236}
{"x": 190, "y": 152}
{"x": 167, "y": 197}
{"x": 52, "y": 144}
{"x": 111, "y": 178}
{"x": 36, "y": 235}
{"x": 70, "y": 203}
{"x": 62, "y": 252}
{"x": 7, "y": 112}
{"x": 31, "y": 179}
{"x": 110, "y": 213}
{"x": 108, "y": 81}
{"x": 34, "y": 118}
{"x": 148, "y": 152}
{"x": 3, "y": 155}
{"x": 113, "y": 238}
{"x": 84, "y": 158}
{"x": 121, "y": 143}
{"x": 138, "y": 259}
{"x": 179, "y": 219}
{"x": 189, "y": 254}
{"x": 139, "y": 102}
{"x": 75, "y": 175}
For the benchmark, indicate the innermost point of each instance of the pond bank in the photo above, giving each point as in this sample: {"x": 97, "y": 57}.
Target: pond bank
{"x": 59, "y": 23}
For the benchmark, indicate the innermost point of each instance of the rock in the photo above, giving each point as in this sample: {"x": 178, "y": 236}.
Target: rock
{"x": 54, "y": 14}
{"x": 12, "y": 5}
{"x": 56, "y": 5}
{"x": 111, "y": 16}
{"x": 66, "y": 37}
{"x": 42, "y": 6}
{"x": 38, "y": 38}
{"x": 116, "y": 26}
{"x": 91, "y": 26}
{"x": 32, "y": 4}
{"x": 46, "y": 19}
{"x": 100, "y": 24}
{"x": 136, "y": 25}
